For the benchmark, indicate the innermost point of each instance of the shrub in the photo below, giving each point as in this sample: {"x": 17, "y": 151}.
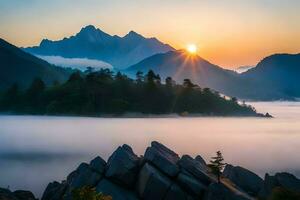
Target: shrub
{"x": 88, "y": 193}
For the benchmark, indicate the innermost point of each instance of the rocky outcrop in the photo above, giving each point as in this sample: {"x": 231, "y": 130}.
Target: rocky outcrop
{"x": 115, "y": 191}
{"x": 6, "y": 194}
{"x": 123, "y": 166}
{"x": 191, "y": 184}
{"x": 54, "y": 191}
{"x": 283, "y": 180}
{"x": 244, "y": 179}
{"x": 196, "y": 168}
{"x": 163, "y": 158}
{"x": 218, "y": 191}
{"x": 152, "y": 184}
{"x": 162, "y": 175}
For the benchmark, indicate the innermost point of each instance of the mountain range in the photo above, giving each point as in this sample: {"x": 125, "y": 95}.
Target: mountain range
{"x": 17, "y": 66}
{"x": 92, "y": 43}
{"x": 275, "y": 77}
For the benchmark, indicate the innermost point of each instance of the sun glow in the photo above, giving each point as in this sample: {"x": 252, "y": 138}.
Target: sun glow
{"x": 192, "y": 48}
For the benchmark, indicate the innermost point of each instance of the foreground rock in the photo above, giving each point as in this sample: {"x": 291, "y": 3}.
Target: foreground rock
{"x": 196, "y": 168}
{"x": 162, "y": 175}
{"x": 218, "y": 191}
{"x": 163, "y": 158}
{"x": 280, "y": 180}
{"x": 152, "y": 184}
{"x": 244, "y": 179}
{"x": 6, "y": 194}
{"x": 123, "y": 166}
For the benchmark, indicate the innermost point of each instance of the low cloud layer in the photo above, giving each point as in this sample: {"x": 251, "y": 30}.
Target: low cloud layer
{"x": 76, "y": 63}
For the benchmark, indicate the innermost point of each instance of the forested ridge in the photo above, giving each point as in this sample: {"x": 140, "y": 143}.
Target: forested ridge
{"x": 103, "y": 92}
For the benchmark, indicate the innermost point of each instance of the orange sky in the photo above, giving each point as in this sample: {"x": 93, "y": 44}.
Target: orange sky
{"x": 229, "y": 33}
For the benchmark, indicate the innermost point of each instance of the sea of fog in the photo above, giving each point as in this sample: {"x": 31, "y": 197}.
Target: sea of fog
{"x": 35, "y": 150}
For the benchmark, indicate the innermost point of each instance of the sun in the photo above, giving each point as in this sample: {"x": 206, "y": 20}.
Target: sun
{"x": 192, "y": 48}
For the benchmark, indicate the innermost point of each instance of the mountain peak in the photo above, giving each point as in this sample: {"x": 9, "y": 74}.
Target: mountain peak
{"x": 92, "y": 34}
{"x": 88, "y": 28}
{"x": 133, "y": 34}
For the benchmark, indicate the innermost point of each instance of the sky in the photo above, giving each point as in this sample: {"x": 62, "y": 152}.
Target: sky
{"x": 229, "y": 33}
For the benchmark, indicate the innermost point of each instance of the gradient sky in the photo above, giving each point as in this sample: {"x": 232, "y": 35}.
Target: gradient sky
{"x": 229, "y": 33}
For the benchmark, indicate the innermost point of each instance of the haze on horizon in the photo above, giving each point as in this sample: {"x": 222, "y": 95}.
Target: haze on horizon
{"x": 229, "y": 33}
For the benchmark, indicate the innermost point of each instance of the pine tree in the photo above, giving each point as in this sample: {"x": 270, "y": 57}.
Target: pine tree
{"x": 217, "y": 164}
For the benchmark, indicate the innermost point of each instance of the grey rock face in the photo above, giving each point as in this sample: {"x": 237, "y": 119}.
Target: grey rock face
{"x": 244, "y": 179}
{"x": 284, "y": 180}
{"x": 128, "y": 177}
{"x": 123, "y": 166}
{"x": 175, "y": 193}
{"x": 195, "y": 168}
{"x": 152, "y": 184}
{"x": 163, "y": 158}
{"x": 218, "y": 191}
{"x": 116, "y": 192}
{"x": 98, "y": 164}
{"x": 24, "y": 195}
{"x": 6, "y": 194}
{"x": 200, "y": 160}
{"x": 83, "y": 176}
{"x": 54, "y": 191}
{"x": 190, "y": 184}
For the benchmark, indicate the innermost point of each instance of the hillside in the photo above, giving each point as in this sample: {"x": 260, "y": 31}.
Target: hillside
{"x": 17, "y": 66}
{"x": 278, "y": 73}
{"x": 275, "y": 77}
{"x": 100, "y": 93}
{"x": 181, "y": 65}
{"x": 93, "y": 43}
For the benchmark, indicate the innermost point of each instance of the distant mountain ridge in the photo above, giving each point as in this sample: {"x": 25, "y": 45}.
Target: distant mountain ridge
{"x": 17, "y": 66}
{"x": 93, "y": 43}
{"x": 181, "y": 65}
{"x": 278, "y": 72}
{"x": 275, "y": 77}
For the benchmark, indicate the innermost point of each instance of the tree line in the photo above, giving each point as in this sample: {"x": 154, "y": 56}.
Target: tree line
{"x": 104, "y": 92}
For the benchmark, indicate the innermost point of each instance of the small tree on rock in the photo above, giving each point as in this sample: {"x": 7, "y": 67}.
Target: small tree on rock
{"x": 88, "y": 193}
{"x": 217, "y": 164}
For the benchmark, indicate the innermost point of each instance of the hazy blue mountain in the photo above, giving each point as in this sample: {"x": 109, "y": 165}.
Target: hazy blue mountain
{"x": 279, "y": 73}
{"x": 17, "y": 66}
{"x": 181, "y": 65}
{"x": 95, "y": 44}
{"x": 275, "y": 77}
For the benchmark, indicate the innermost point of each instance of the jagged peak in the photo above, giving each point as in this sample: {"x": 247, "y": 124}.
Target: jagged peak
{"x": 92, "y": 33}
{"x": 132, "y": 34}
{"x": 89, "y": 28}
{"x": 45, "y": 41}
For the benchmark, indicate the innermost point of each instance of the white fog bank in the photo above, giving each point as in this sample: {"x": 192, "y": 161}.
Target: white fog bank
{"x": 76, "y": 63}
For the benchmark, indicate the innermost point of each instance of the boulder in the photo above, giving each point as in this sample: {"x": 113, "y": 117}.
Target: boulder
{"x": 6, "y": 194}
{"x": 218, "y": 191}
{"x": 83, "y": 176}
{"x": 98, "y": 164}
{"x": 244, "y": 179}
{"x": 162, "y": 158}
{"x": 195, "y": 168}
{"x": 54, "y": 191}
{"x": 123, "y": 166}
{"x": 116, "y": 192}
{"x": 24, "y": 195}
{"x": 200, "y": 160}
{"x": 190, "y": 184}
{"x": 283, "y": 180}
{"x": 175, "y": 193}
{"x": 152, "y": 184}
